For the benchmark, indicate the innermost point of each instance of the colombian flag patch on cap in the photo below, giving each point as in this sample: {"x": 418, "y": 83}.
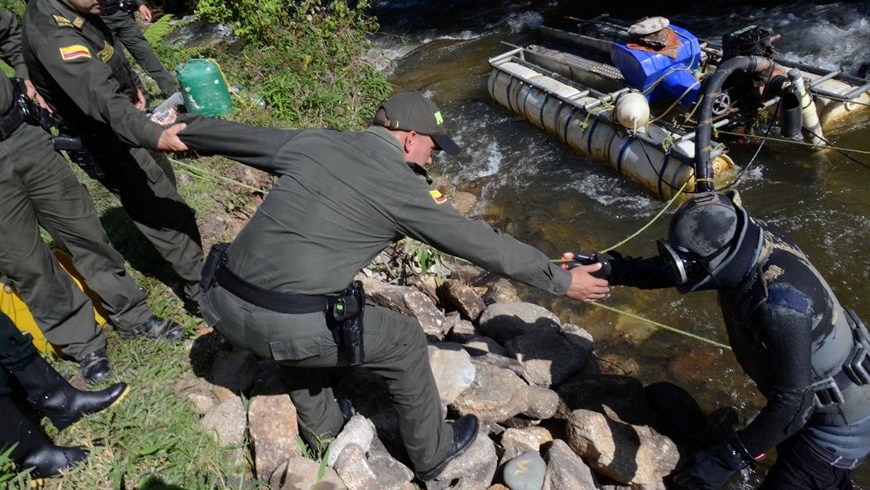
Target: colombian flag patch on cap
{"x": 438, "y": 197}
{"x": 75, "y": 51}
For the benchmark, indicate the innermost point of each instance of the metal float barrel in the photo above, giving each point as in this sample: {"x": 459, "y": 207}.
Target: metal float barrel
{"x": 570, "y": 113}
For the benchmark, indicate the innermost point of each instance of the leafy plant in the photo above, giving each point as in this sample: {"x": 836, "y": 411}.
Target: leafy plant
{"x": 420, "y": 256}
{"x": 14, "y": 6}
{"x": 170, "y": 56}
{"x": 303, "y": 60}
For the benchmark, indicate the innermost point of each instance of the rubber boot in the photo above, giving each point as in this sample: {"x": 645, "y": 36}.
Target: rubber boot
{"x": 52, "y": 395}
{"x": 32, "y": 449}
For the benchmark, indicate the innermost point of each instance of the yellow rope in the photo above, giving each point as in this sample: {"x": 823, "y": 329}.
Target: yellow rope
{"x": 663, "y": 326}
{"x": 638, "y": 317}
{"x": 653, "y": 220}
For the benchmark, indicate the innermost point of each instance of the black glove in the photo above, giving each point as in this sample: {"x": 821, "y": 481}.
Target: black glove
{"x": 583, "y": 259}
{"x": 619, "y": 267}
{"x": 711, "y": 468}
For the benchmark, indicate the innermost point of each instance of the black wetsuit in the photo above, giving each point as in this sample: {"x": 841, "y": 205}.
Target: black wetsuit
{"x": 792, "y": 337}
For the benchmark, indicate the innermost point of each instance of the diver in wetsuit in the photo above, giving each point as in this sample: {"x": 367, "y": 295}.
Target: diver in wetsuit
{"x": 807, "y": 354}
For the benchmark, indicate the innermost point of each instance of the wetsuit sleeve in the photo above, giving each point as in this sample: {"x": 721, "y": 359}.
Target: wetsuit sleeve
{"x": 10, "y": 43}
{"x": 425, "y": 215}
{"x": 251, "y": 145}
{"x": 643, "y": 273}
{"x": 787, "y": 336}
{"x": 91, "y": 85}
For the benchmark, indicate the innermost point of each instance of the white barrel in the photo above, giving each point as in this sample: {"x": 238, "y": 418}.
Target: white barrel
{"x": 830, "y": 111}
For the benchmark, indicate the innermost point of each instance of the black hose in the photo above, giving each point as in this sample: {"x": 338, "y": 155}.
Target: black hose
{"x": 704, "y": 131}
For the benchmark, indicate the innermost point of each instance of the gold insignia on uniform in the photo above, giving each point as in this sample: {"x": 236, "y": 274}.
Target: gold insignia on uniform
{"x": 107, "y": 52}
{"x": 62, "y": 21}
{"x": 79, "y": 22}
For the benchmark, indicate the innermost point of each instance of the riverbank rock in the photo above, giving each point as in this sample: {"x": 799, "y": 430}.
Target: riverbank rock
{"x": 548, "y": 358}
{"x": 627, "y": 453}
{"x": 495, "y": 395}
{"x": 504, "y": 321}
{"x": 549, "y": 418}
{"x": 525, "y": 472}
{"x": 272, "y": 428}
{"x": 453, "y": 370}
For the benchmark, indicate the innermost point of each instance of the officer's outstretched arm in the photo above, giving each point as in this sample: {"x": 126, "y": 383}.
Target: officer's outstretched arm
{"x": 251, "y": 145}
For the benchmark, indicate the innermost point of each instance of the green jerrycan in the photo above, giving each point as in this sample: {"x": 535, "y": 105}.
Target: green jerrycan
{"x": 204, "y": 87}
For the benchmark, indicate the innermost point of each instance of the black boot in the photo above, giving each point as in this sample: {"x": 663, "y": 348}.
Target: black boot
{"x": 464, "y": 433}
{"x": 52, "y": 395}
{"x": 156, "y": 328}
{"x": 33, "y": 450}
{"x": 95, "y": 367}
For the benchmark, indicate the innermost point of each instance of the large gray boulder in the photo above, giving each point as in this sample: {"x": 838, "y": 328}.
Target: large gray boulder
{"x": 496, "y": 395}
{"x": 504, "y": 321}
{"x": 548, "y": 358}
{"x": 272, "y": 427}
{"x": 629, "y": 454}
{"x": 453, "y": 370}
{"x": 566, "y": 470}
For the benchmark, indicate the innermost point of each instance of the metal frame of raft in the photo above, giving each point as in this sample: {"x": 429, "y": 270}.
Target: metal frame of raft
{"x": 581, "y": 117}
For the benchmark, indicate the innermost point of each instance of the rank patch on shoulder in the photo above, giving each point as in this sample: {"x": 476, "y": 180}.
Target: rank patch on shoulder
{"x": 75, "y": 51}
{"x": 62, "y": 21}
{"x": 107, "y": 52}
{"x": 438, "y": 197}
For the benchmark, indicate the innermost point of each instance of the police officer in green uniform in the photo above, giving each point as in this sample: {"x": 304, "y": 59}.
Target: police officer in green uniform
{"x": 37, "y": 188}
{"x": 282, "y": 290}
{"x": 73, "y": 63}
{"x": 47, "y": 392}
{"x": 117, "y": 14}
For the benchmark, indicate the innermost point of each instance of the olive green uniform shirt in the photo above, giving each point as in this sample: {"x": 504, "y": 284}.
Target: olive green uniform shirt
{"x": 10, "y": 52}
{"x": 74, "y": 63}
{"x": 340, "y": 199}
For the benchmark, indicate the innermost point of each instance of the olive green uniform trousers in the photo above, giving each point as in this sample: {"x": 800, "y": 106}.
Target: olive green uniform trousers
{"x": 125, "y": 29}
{"x": 145, "y": 183}
{"x": 395, "y": 349}
{"x": 38, "y": 188}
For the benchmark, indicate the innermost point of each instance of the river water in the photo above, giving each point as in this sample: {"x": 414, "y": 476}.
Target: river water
{"x": 532, "y": 186}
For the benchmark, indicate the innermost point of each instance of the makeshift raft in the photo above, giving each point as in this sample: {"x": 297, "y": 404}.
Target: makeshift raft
{"x": 649, "y": 112}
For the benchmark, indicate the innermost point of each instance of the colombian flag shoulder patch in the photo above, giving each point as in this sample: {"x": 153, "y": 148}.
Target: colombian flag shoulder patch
{"x": 438, "y": 197}
{"x": 75, "y": 51}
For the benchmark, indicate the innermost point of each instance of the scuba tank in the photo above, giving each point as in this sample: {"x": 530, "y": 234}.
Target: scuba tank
{"x": 204, "y": 87}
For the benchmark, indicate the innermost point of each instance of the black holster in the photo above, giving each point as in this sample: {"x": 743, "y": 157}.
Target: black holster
{"x": 216, "y": 258}
{"x": 81, "y": 156}
{"x": 345, "y": 319}
{"x": 32, "y": 112}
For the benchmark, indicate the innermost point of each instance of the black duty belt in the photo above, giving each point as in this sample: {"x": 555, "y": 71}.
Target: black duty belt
{"x": 293, "y": 303}
{"x": 11, "y": 121}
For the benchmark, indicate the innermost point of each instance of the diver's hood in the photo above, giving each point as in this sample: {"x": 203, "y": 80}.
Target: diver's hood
{"x": 713, "y": 233}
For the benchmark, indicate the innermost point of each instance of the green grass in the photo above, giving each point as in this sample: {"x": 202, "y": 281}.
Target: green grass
{"x": 153, "y": 439}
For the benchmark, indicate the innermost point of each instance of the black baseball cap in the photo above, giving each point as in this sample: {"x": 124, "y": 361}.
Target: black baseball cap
{"x": 410, "y": 111}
